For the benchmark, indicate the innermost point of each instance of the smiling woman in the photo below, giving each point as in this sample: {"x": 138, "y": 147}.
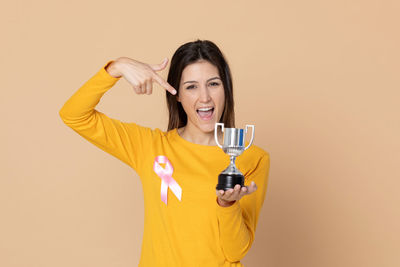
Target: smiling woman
{"x": 196, "y": 65}
{"x": 187, "y": 223}
{"x": 203, "y": 101}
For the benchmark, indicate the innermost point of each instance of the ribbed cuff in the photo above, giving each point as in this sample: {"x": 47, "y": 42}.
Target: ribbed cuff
{"x": 107, "y": 75}
{"x": 227, "y": 210}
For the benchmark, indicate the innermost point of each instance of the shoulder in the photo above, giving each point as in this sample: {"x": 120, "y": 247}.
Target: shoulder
{"x": 254, "y": 164}
{"x": 254, "y": 158}
{"x": 144, "y": 132}
{"x": 149, "y": 134}
{"x": 256, "y": 152}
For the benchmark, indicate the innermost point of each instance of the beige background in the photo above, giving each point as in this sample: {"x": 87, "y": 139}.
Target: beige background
{"x": 319, "y": 79}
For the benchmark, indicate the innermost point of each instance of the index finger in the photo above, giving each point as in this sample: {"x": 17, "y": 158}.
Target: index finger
{"x": 164, "y": 84}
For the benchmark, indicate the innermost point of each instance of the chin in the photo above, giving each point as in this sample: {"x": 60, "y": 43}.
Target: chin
{"x": 207, "y": 128}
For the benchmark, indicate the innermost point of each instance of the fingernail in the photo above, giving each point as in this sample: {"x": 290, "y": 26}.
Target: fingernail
{"x": 174, "y": 92}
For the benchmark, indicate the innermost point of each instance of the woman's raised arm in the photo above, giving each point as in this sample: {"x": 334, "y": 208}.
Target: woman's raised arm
{"x": 126, "y": 141}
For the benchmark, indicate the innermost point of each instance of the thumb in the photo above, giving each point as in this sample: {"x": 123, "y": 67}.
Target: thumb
{"x": 161, "y": 66}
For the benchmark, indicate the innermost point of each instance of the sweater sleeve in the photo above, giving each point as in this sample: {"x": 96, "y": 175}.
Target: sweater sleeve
{"x": 123, "y": 140}
{"x": 237, "y": 223}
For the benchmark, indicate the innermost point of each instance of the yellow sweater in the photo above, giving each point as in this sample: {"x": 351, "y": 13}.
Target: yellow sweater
{"x": 193, "y": 231}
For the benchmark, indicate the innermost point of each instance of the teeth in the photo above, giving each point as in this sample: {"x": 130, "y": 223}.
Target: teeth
{"x": 205, "y": 109}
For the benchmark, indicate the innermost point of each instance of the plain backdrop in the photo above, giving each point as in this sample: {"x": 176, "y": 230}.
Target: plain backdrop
{"x": 319, "y": 79}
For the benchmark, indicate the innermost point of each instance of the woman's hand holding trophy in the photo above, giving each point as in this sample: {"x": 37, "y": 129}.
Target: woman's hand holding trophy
{"x": 227, "y": 198}
{"x": 230, "y": 187}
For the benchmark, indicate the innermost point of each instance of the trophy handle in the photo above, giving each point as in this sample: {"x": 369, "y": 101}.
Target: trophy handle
{"x": 252, "y": 135}
{"x": 216, "y": 133}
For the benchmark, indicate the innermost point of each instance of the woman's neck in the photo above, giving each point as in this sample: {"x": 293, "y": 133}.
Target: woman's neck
{"x": 196, "y": 136}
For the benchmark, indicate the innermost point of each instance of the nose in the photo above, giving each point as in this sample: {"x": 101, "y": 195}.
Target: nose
{"x": 205, "y": 96}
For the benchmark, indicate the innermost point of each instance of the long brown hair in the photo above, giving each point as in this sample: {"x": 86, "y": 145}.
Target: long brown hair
{"x": 190, "y": 53}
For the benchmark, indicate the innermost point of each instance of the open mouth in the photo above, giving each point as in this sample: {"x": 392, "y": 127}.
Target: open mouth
{"x": 205, "y": 113}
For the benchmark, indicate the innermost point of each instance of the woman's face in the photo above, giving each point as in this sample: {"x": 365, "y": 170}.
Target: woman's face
{"x": 202, "y": 96}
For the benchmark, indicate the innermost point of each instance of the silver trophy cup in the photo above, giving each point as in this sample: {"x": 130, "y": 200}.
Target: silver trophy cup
{"x": 234, "y": 145}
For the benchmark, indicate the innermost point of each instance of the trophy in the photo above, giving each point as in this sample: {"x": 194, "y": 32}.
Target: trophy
{"x": 234, "y": 139}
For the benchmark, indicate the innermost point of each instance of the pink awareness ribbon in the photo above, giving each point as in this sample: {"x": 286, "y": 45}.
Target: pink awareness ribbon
{"x": 166, "y": 178}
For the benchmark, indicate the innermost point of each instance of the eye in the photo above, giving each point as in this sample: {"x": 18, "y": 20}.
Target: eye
{"x": 214, "y": 83}
{"x": 190, "y": 87}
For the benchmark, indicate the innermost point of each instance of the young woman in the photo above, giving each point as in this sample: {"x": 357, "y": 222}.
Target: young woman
{"x": 187, "y": 221}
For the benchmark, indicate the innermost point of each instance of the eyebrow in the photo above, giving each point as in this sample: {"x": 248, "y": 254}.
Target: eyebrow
{"x": 207, "y": 80}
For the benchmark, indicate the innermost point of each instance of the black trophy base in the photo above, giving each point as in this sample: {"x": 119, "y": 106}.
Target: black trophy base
{"x": 228, "y": 181}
